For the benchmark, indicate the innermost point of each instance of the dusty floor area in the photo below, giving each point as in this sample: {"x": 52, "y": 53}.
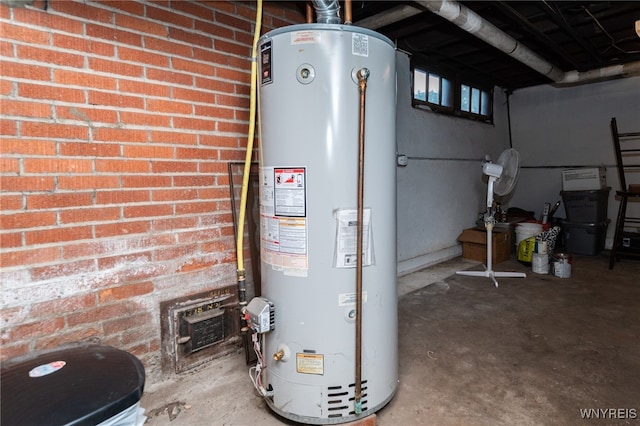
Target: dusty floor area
{"x": 534, "y": 351}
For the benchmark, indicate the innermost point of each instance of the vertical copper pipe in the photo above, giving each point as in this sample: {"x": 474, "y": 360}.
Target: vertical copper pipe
{"x": 309, "y": 13}
{"x": 347, "y": 12}
{"x": 363, "y": 75}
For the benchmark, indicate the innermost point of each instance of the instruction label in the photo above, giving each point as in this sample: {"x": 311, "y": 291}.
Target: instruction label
{"x": 360, "y": 44}
{"x": 347, "y": 238}
{"x": 310, "y": 363}
{"x": 283, "y": 221}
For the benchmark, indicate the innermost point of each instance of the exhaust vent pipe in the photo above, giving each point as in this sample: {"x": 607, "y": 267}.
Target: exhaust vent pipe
{"x": 327, "y": 12}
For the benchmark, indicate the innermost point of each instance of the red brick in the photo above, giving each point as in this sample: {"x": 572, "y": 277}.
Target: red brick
{"x": 27, "y": 183}
{"x": 22, "y": 70}
{"x": 122, "y": 228}
{"x": 83, "y": 44}
{"x": 27, "y": 220}
{"x": 88, "y": 182}
{"x": 32, "y": 330}
{"x": 20, "y": 33}
{"x": 141, "y": 25}
{"x": 214, "y": 111}
{"x": 11, "y": 202}
{"x": 118, "y": 325}
{"x": 233, "y": 22}
{"x": 147, "y": 89}
{"x": 9, "y": 165}
{"x": 190, "y": 37}
{"x": 90, "y": 334}
{"x": 10, "y": 351}
{"x": 58, "y": 200}
{"x": 10, "y": 240}
{"x": 198, "y": 236}
{"x": 125, "y": 292}
{"x": 153, "y": 210}
{"x": 48, "y": 20}
{"x": 176, "y": 252}
{"x": 173, "y": 223}
{"x": 59, "y": 270}
{"x": 38, "y": 91}
{"x": 57, "y": 235}
{"x": 214, "y": 29}
{"x": 120, "y": 135}
{"x": 169, "y": 17}
{"x": 146, "y": 181}
{"x": 163, "y": 195}
{"x": 192, "y": 66}
{"x": 170, "y": 77}
{"x": 193, "y": 9}
{"x": 220, "y": 141}
{"x": 86, "y": 11}
{"x": 148, "y": 151}
{"x": 230, "y": 127}
{"x": 145, "y": 119}
{"x": 74, "y": 78}
{"x": 143, "y": 56}
{"x": 169, "y": 47}
{"x": 98, "y": 214}
{"x": 113, "y": 34}
{"x": 54, "y": 130}
{"x": 82, "y": 149}
{"x": 132, "y": 7}
{"x": 26, "y": 109}
{"x": 122, "y": 197}
{"x": 122, "y": 166}
{"x": 58, "y": 165}
{"x": 177, "y": 138}
{"x": 174, "y": 167}
{"x": 232, "y": 74}
{"x": 101, "y": 313}
{"x": 115, "y": 99}
{"x": 116, "y": 67}
{"x": 50, "y": 56}
{"x": 195, "y": 124}
{"x": 168, "y": 106}
{"x": 25, "y": 146}
{"x": 211, "y": 56}
{"x": 215, "y": 85}
{"x": 194, "y": 95}
{"x": 6, "y": 86}
{"x": 29, "y": 257}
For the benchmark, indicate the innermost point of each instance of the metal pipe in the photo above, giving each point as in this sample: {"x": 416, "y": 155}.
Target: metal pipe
{"x": 309, "y": 13}
{"x": 327, "y": 12}
{"x": 363, "y": 75}
{"x": 348, "y": 17}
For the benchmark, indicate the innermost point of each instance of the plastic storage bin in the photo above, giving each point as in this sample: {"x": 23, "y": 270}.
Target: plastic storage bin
{"x": 73, "y": 385}
{"x": 584, "y": 238}
{"x": 586, "y": 206}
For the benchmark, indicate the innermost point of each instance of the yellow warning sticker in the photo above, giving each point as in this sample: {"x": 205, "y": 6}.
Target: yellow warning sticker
{"x": 310, "y": 363}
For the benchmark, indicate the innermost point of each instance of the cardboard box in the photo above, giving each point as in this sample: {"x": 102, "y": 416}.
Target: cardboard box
{"x": 584, "y": 179}
{"x": 474, "y": 244}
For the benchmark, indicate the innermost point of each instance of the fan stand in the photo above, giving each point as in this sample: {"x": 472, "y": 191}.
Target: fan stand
{"x": 489, "y": 221}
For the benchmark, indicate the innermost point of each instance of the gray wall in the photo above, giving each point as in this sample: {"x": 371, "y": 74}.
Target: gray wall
{"x": 442, "y": 189}
{"x": 559, "y": 128}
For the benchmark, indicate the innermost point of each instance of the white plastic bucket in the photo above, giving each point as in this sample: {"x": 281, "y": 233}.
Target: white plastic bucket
{"x": 540, "y": 263}
{"x": 526, "y": 230}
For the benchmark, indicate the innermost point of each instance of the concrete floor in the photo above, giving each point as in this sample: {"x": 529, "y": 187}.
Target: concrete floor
{"x": 534, "y": 351}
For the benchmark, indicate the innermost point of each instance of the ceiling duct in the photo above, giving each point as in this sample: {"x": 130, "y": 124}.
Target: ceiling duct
{"x": 327, "y": 12}
{"x": 476, "y": 25}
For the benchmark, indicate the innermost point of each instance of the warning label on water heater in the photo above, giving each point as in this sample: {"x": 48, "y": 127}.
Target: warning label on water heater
{"x": 283, "y": 222}
{"x": 360, "y": 44}
{"x": 310, "y": 363}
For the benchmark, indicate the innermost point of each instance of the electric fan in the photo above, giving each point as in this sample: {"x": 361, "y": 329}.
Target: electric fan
{"x": 502, "y": 178}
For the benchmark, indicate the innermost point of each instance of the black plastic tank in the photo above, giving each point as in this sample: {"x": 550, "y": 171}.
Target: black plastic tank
{"x": 71, "y": 385}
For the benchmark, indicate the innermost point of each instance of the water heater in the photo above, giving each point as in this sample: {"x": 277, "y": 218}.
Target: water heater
{"x": 320, "y": 132}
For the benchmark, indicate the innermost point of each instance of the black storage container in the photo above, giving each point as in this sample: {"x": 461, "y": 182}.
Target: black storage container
{"x": 73, "y": 385}
{"x": 586, "y": 206}
{"x": 584, "y": 238}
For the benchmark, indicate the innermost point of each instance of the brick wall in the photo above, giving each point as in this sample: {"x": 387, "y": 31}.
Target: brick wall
{"x": 118, "y": 119}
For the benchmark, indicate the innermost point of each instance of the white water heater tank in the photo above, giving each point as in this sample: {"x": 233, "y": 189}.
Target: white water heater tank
{"x": 309, "y": 144}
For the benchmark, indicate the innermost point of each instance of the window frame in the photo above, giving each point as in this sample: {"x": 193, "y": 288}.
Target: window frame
{"x": 456, "y": 80}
